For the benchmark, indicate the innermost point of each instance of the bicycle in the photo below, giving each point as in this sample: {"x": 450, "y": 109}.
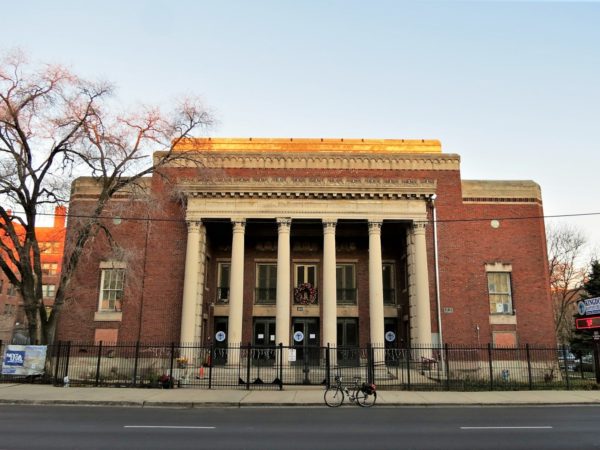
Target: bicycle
{"x": 364, "y": 394}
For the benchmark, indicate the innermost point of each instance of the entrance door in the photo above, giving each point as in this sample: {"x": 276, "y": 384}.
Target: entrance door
{"x": 347, "y": 341}
{"x": 220, "y": 339}
{"x": 393, "y": 355}
{"x": 264, "y": 340}
{"x": 305, "y": 339}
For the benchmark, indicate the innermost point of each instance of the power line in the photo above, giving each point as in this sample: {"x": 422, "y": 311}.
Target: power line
{"x": 178, "y": 220}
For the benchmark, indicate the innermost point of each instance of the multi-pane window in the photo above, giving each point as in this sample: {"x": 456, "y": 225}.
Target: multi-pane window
{"x": 48, "y": 290}
{"x": 306, "y": 273}
{"x": 389, "y": 284}
{"x": 266, "y": 283}
{"x": 223, "y": 278}
{"x": 11, "y": 291}
{"x": 49, "y": 248}
{"x": 346, "y": 284}
{"x": 112, "y": 287}
{"x": 500, "y": 292}
{"x": 49, "y": 268}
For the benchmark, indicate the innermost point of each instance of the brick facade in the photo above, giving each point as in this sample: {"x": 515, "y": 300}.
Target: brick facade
{"x": 154, "y": 250}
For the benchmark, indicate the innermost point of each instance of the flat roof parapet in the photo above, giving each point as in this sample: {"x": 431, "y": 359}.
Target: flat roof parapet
{"x": 274, "y": 145}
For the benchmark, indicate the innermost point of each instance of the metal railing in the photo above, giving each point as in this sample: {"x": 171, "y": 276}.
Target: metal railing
{"x": 450, "y": 368}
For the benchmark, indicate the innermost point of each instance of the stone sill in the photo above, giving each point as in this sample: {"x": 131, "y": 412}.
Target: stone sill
{"x": 108, "y": 316}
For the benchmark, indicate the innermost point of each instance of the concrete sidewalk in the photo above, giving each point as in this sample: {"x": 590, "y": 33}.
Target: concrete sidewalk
{"x": 29, "y": 394}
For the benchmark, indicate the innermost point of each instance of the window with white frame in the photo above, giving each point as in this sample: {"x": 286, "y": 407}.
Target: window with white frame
{"x": 112, "y": 286}
{"x": 49, "y": 268}
{"x": 48, "y": 290}
{"x": 306, "y": 273}
{"x": 499, "y": 292}
{"x": 223, "y": 278}
{"x": 266, "y": 283}
{"x": 11, "y": 291}
{"x": 346, "y": 284}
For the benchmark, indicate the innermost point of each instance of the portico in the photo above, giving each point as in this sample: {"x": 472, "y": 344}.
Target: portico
{"x": 365, "y": 219}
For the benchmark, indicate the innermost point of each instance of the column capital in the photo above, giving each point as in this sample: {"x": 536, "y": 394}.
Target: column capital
{"x": 193, "y": 225}
{"x": 239, "y": 224}
{"x": 375, "y": 226}
{"x": 418, "y": 227}
{"x": 329, "y": 225}
{"x": 284, "y": 223}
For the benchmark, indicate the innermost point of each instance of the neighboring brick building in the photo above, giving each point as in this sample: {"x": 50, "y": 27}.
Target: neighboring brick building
{"x": 13, "y": 324}
{"x": 315, "y": 241}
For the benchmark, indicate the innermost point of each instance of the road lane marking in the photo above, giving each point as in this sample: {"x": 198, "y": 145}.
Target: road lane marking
{"x": 507, "y": 428}
{"x": 168, "y": 427}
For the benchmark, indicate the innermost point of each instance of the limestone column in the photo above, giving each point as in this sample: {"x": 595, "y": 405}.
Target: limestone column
{"x": 329, "y": 290}
{"x": 236, "y": 290}
{"x": 282, "y": 314}
{"x": 376, "y": 312}
{"x": 421, "y": 285}
{"x": 190, "y": 282}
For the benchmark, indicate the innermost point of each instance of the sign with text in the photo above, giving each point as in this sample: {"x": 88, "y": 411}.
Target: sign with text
{"x": 589, "y": 307}
{"x": 24, "y": 360}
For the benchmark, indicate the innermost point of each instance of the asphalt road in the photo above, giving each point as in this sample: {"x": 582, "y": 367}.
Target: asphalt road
{"x": 46, "y": 427}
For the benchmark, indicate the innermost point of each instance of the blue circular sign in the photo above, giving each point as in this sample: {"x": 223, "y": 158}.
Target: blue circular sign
{"x": 220, "y": 336}
{"x": 581, "y": 308}
{"x": 298, "y": 336}
{"x": 390, "y": 336}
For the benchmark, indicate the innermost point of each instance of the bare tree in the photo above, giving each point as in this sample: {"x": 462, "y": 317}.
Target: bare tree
{"x": 566, "y": 245}
{"x": 55, "y": 125}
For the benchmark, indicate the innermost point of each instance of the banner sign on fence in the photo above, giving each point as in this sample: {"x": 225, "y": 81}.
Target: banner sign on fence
{"x": 24, "y": 360}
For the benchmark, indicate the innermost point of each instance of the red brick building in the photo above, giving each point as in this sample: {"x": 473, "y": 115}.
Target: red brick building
{"x": 315, "y": 241}
{"x": 13, "y": 323}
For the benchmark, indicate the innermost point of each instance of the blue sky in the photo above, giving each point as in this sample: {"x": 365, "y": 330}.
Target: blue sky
{"x": 513, "y": 87}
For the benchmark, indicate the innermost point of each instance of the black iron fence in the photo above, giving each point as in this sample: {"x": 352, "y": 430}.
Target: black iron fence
{"x": 451, "y": 368}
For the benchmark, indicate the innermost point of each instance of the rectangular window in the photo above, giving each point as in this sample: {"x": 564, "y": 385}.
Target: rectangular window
{"x": 112, "y": 284}
{"x": 266, "y": 283}
{"x": 48, "y": 290}
{"x": 389, "y": 284}
{"x": 306, "y": 273}
{"x": 499, "y": 292}
{"x": 11, "y": 291}
{"x": 49, "y": 268}
{"x": 223, "y": 278}
{"x": 346, "y": 284}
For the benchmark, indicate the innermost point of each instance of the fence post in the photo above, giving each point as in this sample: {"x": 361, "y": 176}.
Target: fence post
{"x": 68, "y": 358}
{"x": 247, "y": 367}
{"x": 56, "y": 363}
{"x": 280, "y": 366}
{"x": 171, "y": 383}
{"x": 489, "y": 347}
{"x": 210, "y": 364}
{"x": 135, "y": 364}
{"x": 597, "y": 360}
{"x": 566, "y": 363}
{"x": 98, "y": 363}
{"x": 408, "y": 357}
{"x": 327, "y": 367}
{"x": 447, "y": 366}
{"x": 529, "y": 367}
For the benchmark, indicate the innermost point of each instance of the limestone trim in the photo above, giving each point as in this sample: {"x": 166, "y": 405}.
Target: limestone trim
{"x": 498, "y": 191}
{"x": 318, "y": 160}
{"x": 307, "y": 187}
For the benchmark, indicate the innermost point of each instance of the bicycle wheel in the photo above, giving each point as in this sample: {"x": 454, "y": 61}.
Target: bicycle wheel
{"x": 334, "y": 397}
{"x": 366, "y": 400}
